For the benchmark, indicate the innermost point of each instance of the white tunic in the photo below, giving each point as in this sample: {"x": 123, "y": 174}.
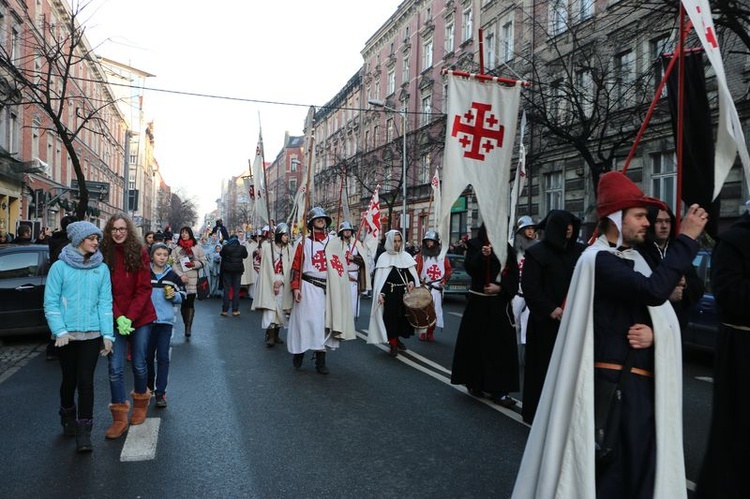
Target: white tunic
{"x": 307, "y": 321}
{"x": 433, "y": 271}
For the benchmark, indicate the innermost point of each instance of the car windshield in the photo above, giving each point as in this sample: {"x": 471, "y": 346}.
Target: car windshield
{"x": 457, "y": 263}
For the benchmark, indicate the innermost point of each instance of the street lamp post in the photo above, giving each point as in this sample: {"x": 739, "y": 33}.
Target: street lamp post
{"x": 402, "y": 113}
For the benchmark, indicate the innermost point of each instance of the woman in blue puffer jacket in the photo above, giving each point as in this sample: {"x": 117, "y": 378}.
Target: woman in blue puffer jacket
{"x": 78, "y": 307}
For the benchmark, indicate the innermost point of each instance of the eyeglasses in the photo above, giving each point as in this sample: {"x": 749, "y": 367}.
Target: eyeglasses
{"x": 119, "y": 229}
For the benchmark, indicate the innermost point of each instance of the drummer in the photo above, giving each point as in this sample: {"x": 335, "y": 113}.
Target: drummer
{"x": 395, "y": 274}
{"x": 434, "y": 272}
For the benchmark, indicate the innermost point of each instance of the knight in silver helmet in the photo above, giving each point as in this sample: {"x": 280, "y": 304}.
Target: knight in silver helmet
{"x": 321, "y": 314}
{"x": 433, "y": 272}
{"x": 357, "y": 264}
{"x": 274, "y": 292}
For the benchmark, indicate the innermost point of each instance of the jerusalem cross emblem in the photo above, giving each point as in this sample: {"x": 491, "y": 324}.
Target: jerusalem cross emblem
{"x": 277, "y": 268}
{"x": 319, "y": 260}
{"x": 480, "y": 131}
{"x": 433, "y": 272}
{"x": 336, "y": 264}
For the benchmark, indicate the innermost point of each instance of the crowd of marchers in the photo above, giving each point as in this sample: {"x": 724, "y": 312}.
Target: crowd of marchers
{"x": 596, "y": 328}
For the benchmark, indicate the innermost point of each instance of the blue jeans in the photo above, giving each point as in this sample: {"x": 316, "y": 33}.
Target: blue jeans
{"x": 138, "y": 340}
{"x": 158, "y": 346}
{"x": 231, "y": 281}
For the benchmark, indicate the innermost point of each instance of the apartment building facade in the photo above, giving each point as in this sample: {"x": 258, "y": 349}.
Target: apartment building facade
{"x": 593, "y": 67}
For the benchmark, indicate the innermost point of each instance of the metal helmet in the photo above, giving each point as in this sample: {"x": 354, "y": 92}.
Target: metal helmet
{"x": 345, "y": 225}
{"x": 317, "y": 212}
{"x": 524, "y": 222}
{"x": 280, "y": 230}
{"x": 431, "y": 235}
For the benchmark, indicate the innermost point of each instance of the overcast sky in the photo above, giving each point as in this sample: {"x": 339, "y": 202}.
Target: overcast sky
{"x": 297, "y": 51}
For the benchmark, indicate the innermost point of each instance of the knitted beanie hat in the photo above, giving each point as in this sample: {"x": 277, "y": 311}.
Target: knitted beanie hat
{"x": 616, "y": 192}
{"x": 157, "y": 246}
{"x": 78, "y": 231}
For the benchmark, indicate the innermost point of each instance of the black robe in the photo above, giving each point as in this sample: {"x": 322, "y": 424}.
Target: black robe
{"x": 394, "y": 310}
{"x": 486, "y": 353}
{"x": 547, "y": 271}
{"x": 726, "y": 466}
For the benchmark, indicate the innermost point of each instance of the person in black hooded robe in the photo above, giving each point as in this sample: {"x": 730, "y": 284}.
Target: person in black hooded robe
{"x": 485, "y": 358}
{"x": 547, "y": 271}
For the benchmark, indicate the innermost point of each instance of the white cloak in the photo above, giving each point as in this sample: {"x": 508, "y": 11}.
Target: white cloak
{"x": 266, "y": 300}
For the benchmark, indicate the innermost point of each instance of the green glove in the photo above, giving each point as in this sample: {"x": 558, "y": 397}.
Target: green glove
{"x": 124, "y": 325}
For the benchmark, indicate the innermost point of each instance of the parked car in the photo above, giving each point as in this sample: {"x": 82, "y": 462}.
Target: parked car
{"x": 460, "y": 281}
{"x": 23, "y": 275}
{"x": 703, "y": 319}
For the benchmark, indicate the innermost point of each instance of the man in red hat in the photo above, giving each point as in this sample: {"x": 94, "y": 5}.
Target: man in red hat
{"x": 617, "y": 312}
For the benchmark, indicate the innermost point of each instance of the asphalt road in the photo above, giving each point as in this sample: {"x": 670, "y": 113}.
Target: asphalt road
{"x": 242, "y": 422}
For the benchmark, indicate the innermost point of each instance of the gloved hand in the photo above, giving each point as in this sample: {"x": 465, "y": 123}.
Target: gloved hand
{"x": 190, "y": 265}
{"x": 124, "y": 325}
{"x": 107, "y": 349}
{"x": 62, "y": 340}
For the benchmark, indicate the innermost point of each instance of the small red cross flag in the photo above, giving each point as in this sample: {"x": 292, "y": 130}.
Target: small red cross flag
{"x": 730, "y": 139}
{"x": 436, "y": 194}
{"x": 479, "y": 141}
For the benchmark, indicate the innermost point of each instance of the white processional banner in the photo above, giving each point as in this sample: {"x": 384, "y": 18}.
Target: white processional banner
{"x": 479, "y": 139}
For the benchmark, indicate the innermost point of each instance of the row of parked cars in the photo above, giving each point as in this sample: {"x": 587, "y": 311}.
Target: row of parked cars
{"x": 23, "y": 272}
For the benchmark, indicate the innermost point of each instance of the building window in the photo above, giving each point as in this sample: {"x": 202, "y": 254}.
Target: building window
{"x": 489, "y": 48}
{"x": 427, "y": 54}
{"x": 625, "y": 77}
{"x": 585, "y": 91}
{"x": 391, "y": 81}
{"x": 405, "y": 71}
{"x": 426, "y": 109}
{"x": 506, "y": 42}
{"x": 553, "y": 191}
{"x": 425, "y": 166}
{"x": 406, "y": 34}
{"x": 367, "y": 140}
{"x": 376, "y": 134}
{"x": 664, "y": 178}
{"x": 583, "y": 9}
{"x": 558, "y": 16}
{"x": 293, "y": 184}
{"x": 556, "y": 101}
{"x": 467, "y": 25}
{"x": 377, "y": 89}
{"x": 389, "y": 133}
{"x": 450, "y": 34}
{"x": 13, "y": 133}
{"x": 293, "y": 163}
{"x": 657, "y": 47}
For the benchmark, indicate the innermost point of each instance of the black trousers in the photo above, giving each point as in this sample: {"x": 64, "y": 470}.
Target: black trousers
{"x": 78, "y": 362}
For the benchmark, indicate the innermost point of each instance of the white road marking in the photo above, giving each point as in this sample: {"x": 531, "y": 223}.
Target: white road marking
{"x": 445, "y": 380}
{"x": 707, "y": 379}
{"x": 140, "y": 444}
{"x": 457, "y": 314}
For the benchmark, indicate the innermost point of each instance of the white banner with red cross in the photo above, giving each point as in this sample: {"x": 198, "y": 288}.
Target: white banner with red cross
{"x": 479, "y": 140}
{"x": 371, "y": 223}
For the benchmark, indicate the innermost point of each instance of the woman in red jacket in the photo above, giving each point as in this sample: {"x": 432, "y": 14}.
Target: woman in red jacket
{"x": 128, "y": 263}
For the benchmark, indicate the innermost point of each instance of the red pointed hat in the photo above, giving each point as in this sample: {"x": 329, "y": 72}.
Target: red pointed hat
{"x": 616, "y": 192}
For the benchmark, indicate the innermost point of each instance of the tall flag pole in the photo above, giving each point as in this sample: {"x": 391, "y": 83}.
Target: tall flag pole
{"x": 263, "y": 167}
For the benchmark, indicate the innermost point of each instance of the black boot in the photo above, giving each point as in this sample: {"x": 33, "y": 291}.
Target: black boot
{"x": 269, "y": 338}
{"x": 68, "y": 420}
{"x": 83, "y": 435}
{"x": 297, "y": 360}
{"x": 320, "y": 363}
{"x": 276, "y": 338}
{"x": 189, "y": 314}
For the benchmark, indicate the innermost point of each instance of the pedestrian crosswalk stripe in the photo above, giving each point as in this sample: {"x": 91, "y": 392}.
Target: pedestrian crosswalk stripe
{"x": 140, "y": 444}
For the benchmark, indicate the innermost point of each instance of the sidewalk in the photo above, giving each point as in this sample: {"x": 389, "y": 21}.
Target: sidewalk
{"x": 16, "y": 353}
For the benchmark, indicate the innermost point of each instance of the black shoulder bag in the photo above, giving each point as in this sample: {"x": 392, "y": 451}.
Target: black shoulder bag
{"x": 607, "y": 412}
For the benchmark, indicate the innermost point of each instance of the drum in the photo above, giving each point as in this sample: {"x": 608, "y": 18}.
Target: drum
{"x": 420, "y": 310}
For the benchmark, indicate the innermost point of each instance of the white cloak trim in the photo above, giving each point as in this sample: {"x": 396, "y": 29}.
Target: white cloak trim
{"x": 265, "y": 299}
{"x": 559, "y": 457}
